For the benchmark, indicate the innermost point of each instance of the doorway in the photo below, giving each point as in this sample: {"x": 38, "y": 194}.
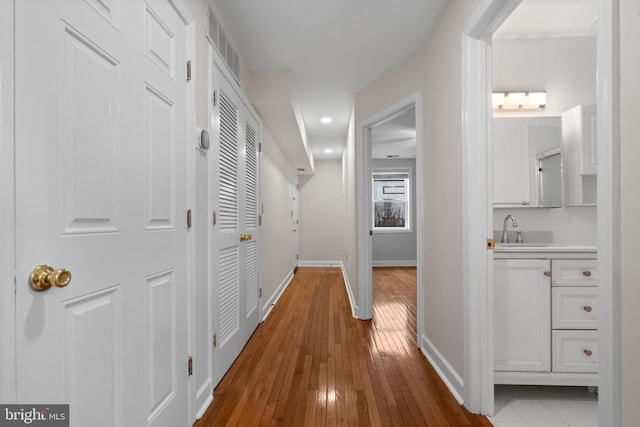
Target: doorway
{"x": 395, "y": 131}
{"x": 478, "y": 224}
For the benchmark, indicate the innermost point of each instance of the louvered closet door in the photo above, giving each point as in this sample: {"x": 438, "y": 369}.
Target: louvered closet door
{"x": 235, "y": 200}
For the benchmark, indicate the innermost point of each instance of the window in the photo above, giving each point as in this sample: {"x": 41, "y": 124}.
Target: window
{"x": 391, "y": 200}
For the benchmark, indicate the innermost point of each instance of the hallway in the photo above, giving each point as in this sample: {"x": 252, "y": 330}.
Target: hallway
{"x": 311, "y": 363}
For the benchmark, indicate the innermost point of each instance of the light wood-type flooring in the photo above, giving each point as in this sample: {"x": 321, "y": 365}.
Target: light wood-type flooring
{"x": 312, "y": 364}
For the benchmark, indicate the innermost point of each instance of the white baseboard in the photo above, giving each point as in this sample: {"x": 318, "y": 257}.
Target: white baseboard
{"x": 452, "y": 380}
{"x": 395, "y": 263}
{"x": 268, "y": 306}
{"x": 319, "y": 263}
{"x": 204, "y": 407}
{"x": 352, "y": 301}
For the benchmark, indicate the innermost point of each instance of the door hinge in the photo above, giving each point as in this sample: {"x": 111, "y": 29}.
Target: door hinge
{"x": 297, "y": 256}
{"x": 260, "y": 293}
{"x": 215, "y": 97}
{"x": 189, "y": 218}
{"x": 215, "y": 341}
{"x": 215, "y": 217}
{"x": 188, "y": 71}
{"x": 260, "y": 147}
{"x": 491, "y": 244}
{"x": 190, "y": 367}
{"x": 259, "y": 219}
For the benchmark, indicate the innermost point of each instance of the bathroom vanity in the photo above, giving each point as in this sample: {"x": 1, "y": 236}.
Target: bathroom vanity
{"x": 545, "y": 314}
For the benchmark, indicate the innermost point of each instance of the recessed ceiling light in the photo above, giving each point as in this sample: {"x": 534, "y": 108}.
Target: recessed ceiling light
{"x": 326, "y": 120}
{"x": 328, "y": 150}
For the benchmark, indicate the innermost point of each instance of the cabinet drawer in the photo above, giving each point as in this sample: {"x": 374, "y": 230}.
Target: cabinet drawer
{"x": 575, "y": 307}
{"x": 575, "y": 351}
{"x": 579, "y": 272}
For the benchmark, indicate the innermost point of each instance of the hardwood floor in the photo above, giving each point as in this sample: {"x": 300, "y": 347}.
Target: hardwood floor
{"x": 311, "y": 363}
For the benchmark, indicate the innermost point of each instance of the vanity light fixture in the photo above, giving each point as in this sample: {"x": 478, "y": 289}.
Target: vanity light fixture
{"x": 519, "y": 100}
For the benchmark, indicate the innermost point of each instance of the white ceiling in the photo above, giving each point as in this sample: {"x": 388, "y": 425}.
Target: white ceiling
{"x": 396, "y": 137}
{"x": 550, "y": 18}
{"x": 333, "y": 47}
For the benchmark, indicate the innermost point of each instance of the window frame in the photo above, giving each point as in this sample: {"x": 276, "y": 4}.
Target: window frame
{"x": 406, "y": 173}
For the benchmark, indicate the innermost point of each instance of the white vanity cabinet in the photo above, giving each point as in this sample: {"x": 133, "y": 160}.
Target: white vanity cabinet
{"x": 545, "y": 316}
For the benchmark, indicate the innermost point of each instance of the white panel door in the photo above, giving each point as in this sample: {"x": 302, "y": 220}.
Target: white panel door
{"x": 235, "y": 237}
{"x": 100, "y": 185}
{"x": 522, "y": 315}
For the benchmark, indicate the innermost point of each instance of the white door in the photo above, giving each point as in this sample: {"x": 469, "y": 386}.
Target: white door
{"x": 295, "y": 219}
{"x": 100, "y": 192}
{"x": 235, "y": 237}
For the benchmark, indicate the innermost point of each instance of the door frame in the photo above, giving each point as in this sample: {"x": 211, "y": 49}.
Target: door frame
{"x": 477, "y": 262}
{"x": 7, "y": 210}
{"x": 215, "y": 61}
{"x": 364, "y": 164}
{"x": 190, "y": 137}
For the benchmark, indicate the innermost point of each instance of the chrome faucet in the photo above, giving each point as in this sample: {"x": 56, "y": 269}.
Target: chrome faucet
{"x": 505, "y": 235}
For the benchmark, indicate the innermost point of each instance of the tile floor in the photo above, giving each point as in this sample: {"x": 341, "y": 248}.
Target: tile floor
{"x": 541, "y": 406}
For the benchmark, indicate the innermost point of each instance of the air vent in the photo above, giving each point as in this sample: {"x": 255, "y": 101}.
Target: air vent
{"x": 390, "y": 156}
{"x": 218, "y": 38}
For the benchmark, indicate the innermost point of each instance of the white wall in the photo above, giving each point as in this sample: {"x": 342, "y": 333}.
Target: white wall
{"x": 570, "y": 226}
{"x": 436, "y": 71}
{"x": 630, "y": 223}
{"x": 399, "y": 248}
{"x": 276, "y": 174}
{"x": 566, "y": 68}
{"x": 276, "y": 177}
{"x": 321, "y": 228}
{"x": 563, "y": 66}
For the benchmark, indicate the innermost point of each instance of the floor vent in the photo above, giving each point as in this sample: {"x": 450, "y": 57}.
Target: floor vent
{"x": 219, "y": 39}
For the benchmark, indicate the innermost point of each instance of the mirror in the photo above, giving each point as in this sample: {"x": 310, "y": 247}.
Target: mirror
{"x": 527, "y": 162}
{"x": 549, "y": 178}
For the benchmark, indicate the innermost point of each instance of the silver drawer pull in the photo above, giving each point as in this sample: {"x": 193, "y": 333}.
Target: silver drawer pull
{"x": 586, "y": 273}
{"x": 587, "y": 308}
{"x": 588, "y": 352}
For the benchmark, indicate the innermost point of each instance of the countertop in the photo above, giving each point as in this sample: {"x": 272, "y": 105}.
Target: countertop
{"x": 543, "y": 250}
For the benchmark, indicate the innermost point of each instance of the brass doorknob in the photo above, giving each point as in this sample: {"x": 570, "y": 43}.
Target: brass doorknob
{"x": 586, "y": 273}
{"x": 44, "y": 276}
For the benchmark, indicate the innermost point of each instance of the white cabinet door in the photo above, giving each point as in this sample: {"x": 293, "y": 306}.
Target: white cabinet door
{"x": 522, "y": 315}
{"x": 517, "y": 141}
